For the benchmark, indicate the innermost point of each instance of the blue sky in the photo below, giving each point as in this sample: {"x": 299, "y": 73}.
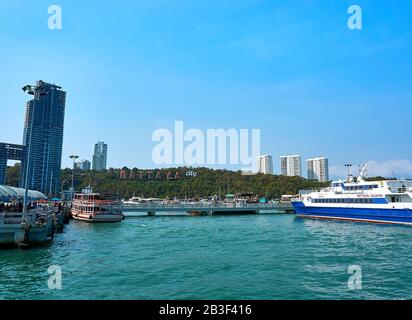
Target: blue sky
{"x": 290, "y": 68}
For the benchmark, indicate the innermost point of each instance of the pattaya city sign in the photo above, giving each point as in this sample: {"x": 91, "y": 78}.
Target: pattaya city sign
{"x": 145, "y": 175}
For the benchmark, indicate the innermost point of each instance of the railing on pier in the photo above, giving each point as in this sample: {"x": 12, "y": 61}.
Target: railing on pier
{"x": 207, "y": 207}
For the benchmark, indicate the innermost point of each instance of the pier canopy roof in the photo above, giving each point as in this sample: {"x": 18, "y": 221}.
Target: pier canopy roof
{"x": 9, "y": 193}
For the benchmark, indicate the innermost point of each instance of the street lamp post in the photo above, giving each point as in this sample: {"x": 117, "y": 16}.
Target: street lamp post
{"x": 62, "y": 188}
{"x": 73, "y": 157}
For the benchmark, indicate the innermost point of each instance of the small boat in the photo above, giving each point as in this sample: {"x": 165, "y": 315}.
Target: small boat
{"x": 94, "y": 207}
{"x": 195, "y": 213}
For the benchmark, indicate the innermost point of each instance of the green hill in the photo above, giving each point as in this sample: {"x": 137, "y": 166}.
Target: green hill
{"x": 173, "y": 182}
{"x": 164, "y": 184}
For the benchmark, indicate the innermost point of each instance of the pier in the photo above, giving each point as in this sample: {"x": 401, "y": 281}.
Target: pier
{"x": 210, "y": 209}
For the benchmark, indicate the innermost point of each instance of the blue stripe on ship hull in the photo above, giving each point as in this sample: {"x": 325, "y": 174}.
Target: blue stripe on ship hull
{"x": 381, "y": 215}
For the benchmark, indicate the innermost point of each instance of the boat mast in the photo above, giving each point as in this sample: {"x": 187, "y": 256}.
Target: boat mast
{"x": 349, "y": 178}
{"x": 362, "y": 171}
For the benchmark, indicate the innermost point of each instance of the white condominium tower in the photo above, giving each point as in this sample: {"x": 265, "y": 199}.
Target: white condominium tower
{"x": 318, "y": 169}
{"x": 291, "y": 166}
{"x": 100, "y": 156}
{"x": 265, "y": 163}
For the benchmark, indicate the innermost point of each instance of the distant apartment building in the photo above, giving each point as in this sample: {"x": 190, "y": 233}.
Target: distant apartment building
{"x": 84, "y": 165}
{"x": 291, "y": 166}
{"x": 265, "y": 164}
{"x": 318, "y": 169}
{"x": 100, "y": 156}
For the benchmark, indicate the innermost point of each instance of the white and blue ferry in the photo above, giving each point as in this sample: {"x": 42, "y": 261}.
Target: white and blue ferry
{"x": 359, "y": 200}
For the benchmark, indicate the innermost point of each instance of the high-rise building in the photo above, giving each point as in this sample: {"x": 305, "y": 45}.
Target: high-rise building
{"x": 291, "y": 166}
{"x": 318, "y": 169}
{"x": 43, "y": 137}
{"x": 84, "y": 165}
{"x": 100, "y": 156}
{"x": 265, "y": 164}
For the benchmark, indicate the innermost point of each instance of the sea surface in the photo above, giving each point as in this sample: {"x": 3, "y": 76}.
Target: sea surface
{"x": 267, "y": 256}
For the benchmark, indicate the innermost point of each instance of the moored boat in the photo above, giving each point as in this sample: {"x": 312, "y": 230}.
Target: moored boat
{"x": 387, "y": 201}
{"x": 94, "y": 207}
{"x": 34, "y": 228}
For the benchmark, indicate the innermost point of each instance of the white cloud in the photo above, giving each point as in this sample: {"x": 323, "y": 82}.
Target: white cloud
{"x": 337, "y": 171}
{"x": 401, "y": 168}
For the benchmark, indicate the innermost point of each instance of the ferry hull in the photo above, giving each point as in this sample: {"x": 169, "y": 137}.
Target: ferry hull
{"x": 99, "y": 218}
{"x": 386, "y": 216}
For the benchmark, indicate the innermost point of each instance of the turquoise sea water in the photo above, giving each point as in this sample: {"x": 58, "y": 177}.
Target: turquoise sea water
{"x": 265, "y": 256}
